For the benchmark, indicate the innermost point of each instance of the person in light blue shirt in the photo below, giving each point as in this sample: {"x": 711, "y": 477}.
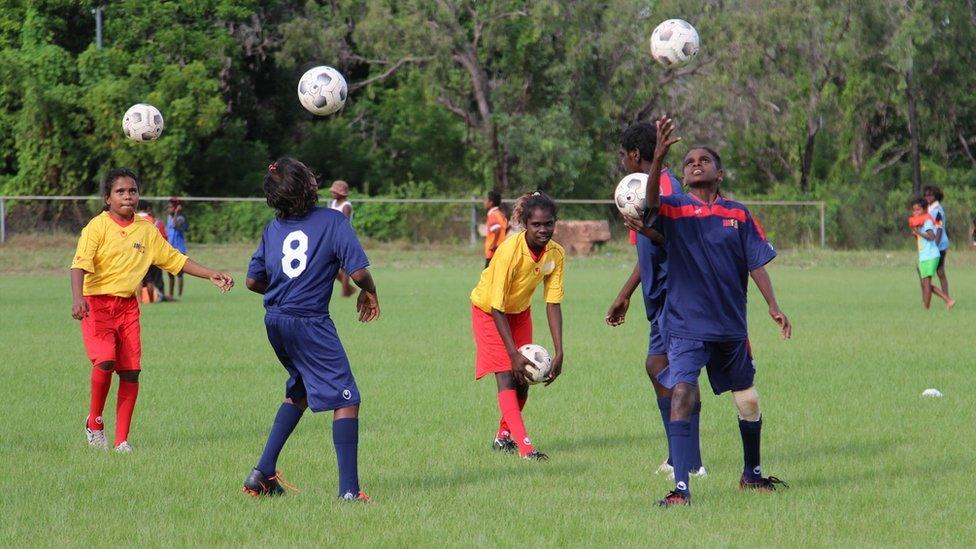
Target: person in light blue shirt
{"x": 924, "y": 229}
{"x": 933, "y": 196}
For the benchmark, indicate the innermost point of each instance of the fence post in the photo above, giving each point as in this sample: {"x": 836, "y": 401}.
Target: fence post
{"x": 474, "y": 221}
{"x": 3, "y": 221}
{"x": 823, "y": 225}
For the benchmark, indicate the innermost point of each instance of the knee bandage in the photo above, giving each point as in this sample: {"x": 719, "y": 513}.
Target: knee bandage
{"x": 747, "y": 402}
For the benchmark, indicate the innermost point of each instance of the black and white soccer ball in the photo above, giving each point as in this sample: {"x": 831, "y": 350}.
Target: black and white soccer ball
{"x": 142, "y": 122}
{"x": 541, "y": 362}
{"x": 674, "y": 43}
{"x": 630, "y": 196}
{"x": 322, "y": 90}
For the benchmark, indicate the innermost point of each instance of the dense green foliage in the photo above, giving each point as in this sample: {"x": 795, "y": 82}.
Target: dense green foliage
{"x": 808, "y": 99}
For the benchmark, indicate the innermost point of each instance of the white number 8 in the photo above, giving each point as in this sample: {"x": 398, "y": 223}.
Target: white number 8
{"x": 290, "y": 253}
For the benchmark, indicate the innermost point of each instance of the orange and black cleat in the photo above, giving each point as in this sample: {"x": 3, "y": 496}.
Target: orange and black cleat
{"x": 674, "y": 498}
{"x": 258, "y": 484}
{"x": 361, "y": 497}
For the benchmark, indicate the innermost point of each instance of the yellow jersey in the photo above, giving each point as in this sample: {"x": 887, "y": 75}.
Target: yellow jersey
{"x": 116, "y": 256}
{"x": 509, "y": 281}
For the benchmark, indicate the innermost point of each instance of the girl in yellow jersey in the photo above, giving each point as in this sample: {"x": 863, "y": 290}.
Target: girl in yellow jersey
{"x": 501, "y": 319}
{"x": 114, "y": 253}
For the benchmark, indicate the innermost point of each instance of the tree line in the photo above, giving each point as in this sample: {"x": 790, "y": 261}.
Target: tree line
{"x": 847, "y": 101}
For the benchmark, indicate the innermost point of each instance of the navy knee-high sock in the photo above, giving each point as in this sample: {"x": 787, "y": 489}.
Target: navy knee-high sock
{"x": 664, "y": 405}
{"x": 695, "y": 418}
{"x": 682, "y": 451}
{"x": 345, "y": 436}
{"x": 751, "y": 435}
{"x": 284, "y": 423}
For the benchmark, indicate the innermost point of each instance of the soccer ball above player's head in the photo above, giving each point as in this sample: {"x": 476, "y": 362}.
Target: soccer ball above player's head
{"x": 637, "y": 144}
{"x": 537, "y": 213}
{"x": 702, "y": 167}
{"x": 290, "y": 188}
{"x": 120, "y": 190}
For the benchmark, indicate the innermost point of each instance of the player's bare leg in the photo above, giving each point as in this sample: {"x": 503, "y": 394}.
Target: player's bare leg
{"x": 926, "y": 292}
{"x": 949, "y": 302}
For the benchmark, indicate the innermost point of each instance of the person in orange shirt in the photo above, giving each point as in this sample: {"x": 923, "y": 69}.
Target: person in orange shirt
{"x": 114, "y": 253}
{"x": 496, "y": 226}
{"x": 502, "y": 321}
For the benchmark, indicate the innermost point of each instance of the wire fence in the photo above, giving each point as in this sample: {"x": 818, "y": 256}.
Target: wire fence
{"x": 788, "y": 224}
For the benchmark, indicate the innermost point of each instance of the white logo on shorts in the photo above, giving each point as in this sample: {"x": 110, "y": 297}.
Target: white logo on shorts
{"x": 681, "y": 486}
{"x": 346, "y": 394}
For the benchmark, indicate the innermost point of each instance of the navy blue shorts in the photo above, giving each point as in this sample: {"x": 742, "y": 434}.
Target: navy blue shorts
{"x": 658, "y": 340}
{"x": 309, "y": 348}
{"x": 729, "y": 364}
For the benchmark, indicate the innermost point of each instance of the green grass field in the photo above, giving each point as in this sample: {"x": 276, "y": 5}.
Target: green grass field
{"x": 870, "y": 462}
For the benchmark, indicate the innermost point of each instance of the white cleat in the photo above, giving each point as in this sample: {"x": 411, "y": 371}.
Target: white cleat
{"x": 123, "y": 448}
{"x": 96, "y": 439}
{"x": 700, "y": 472}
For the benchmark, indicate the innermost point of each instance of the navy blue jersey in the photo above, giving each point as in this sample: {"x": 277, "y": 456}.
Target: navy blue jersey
{"x": 711, "y": 250}
{"x": 652, "y": 259}
{"x": 299, "y": 258}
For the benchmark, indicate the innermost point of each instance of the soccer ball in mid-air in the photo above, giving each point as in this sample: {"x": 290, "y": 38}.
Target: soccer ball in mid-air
{"x": 541, "y": 362}
{"x": 322, "y": 90}
{"x": 674, "y": 43}
{"x": 142, "y": 122}
{"x": 630, "y": 196}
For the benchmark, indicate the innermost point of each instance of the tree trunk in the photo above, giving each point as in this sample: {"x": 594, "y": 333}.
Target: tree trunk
{"x": 913, "y": 132}
{"x": 813, "y": 127}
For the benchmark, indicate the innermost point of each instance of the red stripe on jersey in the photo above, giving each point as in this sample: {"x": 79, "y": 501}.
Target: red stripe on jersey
{"x": 665, "y": 188}
{"x": 759, "y": 228}
{"x": 692, "y": 210}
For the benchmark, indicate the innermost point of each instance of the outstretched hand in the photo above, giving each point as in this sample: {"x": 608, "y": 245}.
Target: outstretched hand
{"x": 665, "y": 127}
{"x": 368, "y": 306}
{"x": 222, "y": 281}
{"x": 785, "y": 328}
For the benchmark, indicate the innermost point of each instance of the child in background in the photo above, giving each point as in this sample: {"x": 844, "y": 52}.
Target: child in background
{"x": 152, "y": 284}
{"x": 176, "y": 235}
{"x": 295, "y": 267}
{"x": 114, "y": 253}
{"x": 496, "y": 224}
{"x": 340, "y": 201}
{"x": 502, "y": 321}
{"x": 933, "y": 197}
{"x": 923, "y": 227}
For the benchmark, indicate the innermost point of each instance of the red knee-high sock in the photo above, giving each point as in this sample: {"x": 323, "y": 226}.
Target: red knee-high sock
{"x": 508, "y": 403}
{"x": 128, "y": 392}
{"x": 503, "y": 430}
{"x": 101, "y": 382}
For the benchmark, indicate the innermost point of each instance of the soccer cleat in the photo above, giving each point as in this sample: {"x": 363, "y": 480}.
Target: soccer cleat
{"x": 96, "y": 439}
{"x": 361, "y": 497}
{"x": 699, "y": 472}
{"x": 762, "y": 484}
{"x": 674, "y": 498}
{"x": 257, "y": 484}
{"x": 536, "y": 456}
{"x": 506, "y": 445}
{"x": 123, "y": 447}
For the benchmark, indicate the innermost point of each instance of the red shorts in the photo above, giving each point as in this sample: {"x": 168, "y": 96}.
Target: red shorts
{"x": 111, "y": 331}
{"x": 490, "y": 353}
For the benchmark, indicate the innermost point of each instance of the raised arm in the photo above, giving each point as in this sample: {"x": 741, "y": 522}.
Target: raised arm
{"x": 665, "y": 127}
{"x": 765, "y": 285}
